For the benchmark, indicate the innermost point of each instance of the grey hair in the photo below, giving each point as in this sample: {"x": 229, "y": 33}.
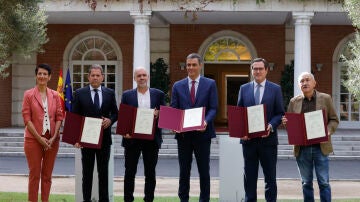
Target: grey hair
{"x": 96, "y": 66}
{"x": 305, "y": 74}
{"x": 141, "y": 68}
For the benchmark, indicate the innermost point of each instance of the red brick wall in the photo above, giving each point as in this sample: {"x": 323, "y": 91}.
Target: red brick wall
{"x": 269, "y": 42}
{"x": 324, "y": 40}
{"x": 5, "y": 103}
{"x": 61, "y": 34}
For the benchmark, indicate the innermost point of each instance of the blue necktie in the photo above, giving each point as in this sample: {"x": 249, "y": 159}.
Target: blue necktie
{"x": 257, "y": 94}
{"x": 96, "y": 98}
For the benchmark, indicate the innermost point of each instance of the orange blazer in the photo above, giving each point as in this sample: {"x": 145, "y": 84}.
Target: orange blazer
{"x": 32, "y": 110}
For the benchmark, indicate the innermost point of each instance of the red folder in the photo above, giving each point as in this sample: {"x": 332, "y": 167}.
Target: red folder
{"x": 73, "y": 128}
{"x": 173, "y": 119}
{"x": 126, "y": 123}
{"x": 238, "y": 122}
{"x": 296, "y": 130}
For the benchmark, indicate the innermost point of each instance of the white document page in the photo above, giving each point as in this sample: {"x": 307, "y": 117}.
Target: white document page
{"x": 314, "y": 122}
{"x": 144, "y": 121}
{"x": 256, "y": 121}
{"x": 91, "y": 131}
{"x": 193, "y": 117}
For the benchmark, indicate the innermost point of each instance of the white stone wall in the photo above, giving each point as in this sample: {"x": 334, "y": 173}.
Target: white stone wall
{"x": 23, "y": 78}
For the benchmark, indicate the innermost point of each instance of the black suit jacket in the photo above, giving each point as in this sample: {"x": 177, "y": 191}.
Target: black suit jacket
{"x": 157, "y": 98}
{"x": 83, "y": 105}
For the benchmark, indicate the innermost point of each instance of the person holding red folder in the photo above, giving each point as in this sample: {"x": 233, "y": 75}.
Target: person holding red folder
{"x": 262, "y": 149}
{"x": 313, "y": 156}
{"x": 142, "y": 97}
{"x": 192, "y": 92}
{"x": 96, "y": 101}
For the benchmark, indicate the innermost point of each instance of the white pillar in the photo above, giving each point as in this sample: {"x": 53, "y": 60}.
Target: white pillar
{"x": 231, "y": 169}
{"x": 302, "y": 58}
{"x": 141, "y": 40}
{"x": 95, "y": 186}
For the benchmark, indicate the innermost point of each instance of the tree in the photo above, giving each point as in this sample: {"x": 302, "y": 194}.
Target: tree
{"x": 353, "y": 63}
{"x": 159, "y": 77}
{"x": 22, "y": 30}
{"x": 287, "y": 83}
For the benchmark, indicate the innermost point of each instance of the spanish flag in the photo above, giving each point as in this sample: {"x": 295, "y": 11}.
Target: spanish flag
{"x": 60, "y": 90}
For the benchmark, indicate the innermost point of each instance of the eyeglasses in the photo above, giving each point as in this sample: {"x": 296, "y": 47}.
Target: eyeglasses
{"x": 258, "y": 69}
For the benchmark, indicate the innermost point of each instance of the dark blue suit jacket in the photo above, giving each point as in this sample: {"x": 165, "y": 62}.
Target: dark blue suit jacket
{"x": 157, "y": 98}
{"x": 83, "y": 105}
{"x": 206, "y": 96}
{"x": 272, "y": 99}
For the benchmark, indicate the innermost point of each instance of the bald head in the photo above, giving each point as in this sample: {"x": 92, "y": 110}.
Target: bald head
{"x": 307, "y": 84}
{"x": 141, "y": 77}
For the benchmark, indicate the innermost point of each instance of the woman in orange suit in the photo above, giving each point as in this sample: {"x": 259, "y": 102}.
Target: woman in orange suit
{"x": 42, "y": 114}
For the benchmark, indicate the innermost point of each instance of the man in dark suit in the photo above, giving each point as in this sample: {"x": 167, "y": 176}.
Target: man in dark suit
{"x": 142, "y": 97}
{"x": 96, "y": 101}
{"x": 262, "y": 149}
{"x": 192, "y": 92}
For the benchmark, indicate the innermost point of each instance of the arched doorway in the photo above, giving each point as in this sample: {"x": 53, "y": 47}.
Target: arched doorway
{"x": 94, "y": 47}
{"x": 227, "y": 55}
{"x": 346, "y": 104}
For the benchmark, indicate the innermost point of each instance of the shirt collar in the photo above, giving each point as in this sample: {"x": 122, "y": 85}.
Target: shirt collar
{"x": 312, "y": 97}
{"x": 146, "y": 92}
{"x": 190, "y": 80}
{"x": 262, "y": 83}
{"x": 91, "y": 88}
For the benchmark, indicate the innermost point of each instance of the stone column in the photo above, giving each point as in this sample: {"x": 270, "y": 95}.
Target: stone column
{"x": 141, "y": 40}
{"x": 302, "y": 58}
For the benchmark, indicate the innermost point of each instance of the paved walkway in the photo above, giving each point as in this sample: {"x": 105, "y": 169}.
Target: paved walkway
{"x": 167, "y": 186}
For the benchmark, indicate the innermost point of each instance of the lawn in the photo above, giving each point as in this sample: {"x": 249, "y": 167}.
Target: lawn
{"x": 20, "y": 197}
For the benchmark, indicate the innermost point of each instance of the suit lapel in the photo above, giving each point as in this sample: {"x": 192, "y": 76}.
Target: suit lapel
{"x": 152, "y": 101}
{"x": 38, "y": 97}
{"x": 187, "y": 91}
{"x": 50, "y": 99}
{"x": 135, "y": 96}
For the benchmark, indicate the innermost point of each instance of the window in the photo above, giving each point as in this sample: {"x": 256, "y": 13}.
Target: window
{"x": 93, "y": 50}
{"x": 227, "y": 49}
{"x": 348, "y": 105}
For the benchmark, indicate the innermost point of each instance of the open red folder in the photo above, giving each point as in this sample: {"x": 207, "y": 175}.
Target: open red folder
{"x": 127, "y": 122}
{"x": 74, "y": 130}
{"x": 238, "y": 122}
{"x": 296, "y": 130}
{"x": 177, "y": 119}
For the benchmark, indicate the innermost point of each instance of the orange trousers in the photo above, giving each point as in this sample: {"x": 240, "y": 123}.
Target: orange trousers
{"x": 41, "y": 164}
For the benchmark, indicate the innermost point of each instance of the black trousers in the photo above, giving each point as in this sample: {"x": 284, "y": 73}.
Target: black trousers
{"x": 88, "y": 160}
{"x": 149, "y": 151}
{"x": 189, "y": 143}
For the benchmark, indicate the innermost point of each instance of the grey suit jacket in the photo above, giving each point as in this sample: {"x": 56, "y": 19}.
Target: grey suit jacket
{"x": 323, "y": 101}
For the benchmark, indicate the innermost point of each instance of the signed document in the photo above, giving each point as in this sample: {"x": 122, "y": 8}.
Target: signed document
{"x": 144, "y": 121}
{"x": 255, "y": 116}
{"x": 314, "y": 122}
{"x": 193, "y": 117}
{"x": 91, "y": 130}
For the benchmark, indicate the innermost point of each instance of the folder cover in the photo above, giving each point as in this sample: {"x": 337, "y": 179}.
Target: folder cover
{"x": 173, "y": 119}
{"x": 126, "y": 123}
{"x": 296, "y": 130}
{"x": 238, "y": 122}
{"x": 73, "y": 128}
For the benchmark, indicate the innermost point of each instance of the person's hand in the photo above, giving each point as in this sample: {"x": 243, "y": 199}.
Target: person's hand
{"x": 202, "y": 130}
{"x": 106, "y": 122}
{"x": 51, "y": 140}
{"x": 45, "y": 143}
{"x": 127, "y": 136}
{"x": 156, "y": 113}
{"x": 268, "y": 130}
{"x": 284, "y": 120}
{"x": 245, "y": 138}
{"x": 77, "y": 145}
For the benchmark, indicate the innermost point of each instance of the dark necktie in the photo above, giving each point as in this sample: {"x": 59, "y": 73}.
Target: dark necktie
{"x": 257, "y": 94}
{"x": 192, "y": 92}
{"x": 96, "y": 98}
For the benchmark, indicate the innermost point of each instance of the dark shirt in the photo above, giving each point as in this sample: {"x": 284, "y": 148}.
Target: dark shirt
{"x": 309, "y": 105}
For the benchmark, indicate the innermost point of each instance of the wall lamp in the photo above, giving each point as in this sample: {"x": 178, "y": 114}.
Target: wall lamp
{"x": 182, "y": 65}
{"x": 319, "y": 66}
{"x": 271, "y": 66}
